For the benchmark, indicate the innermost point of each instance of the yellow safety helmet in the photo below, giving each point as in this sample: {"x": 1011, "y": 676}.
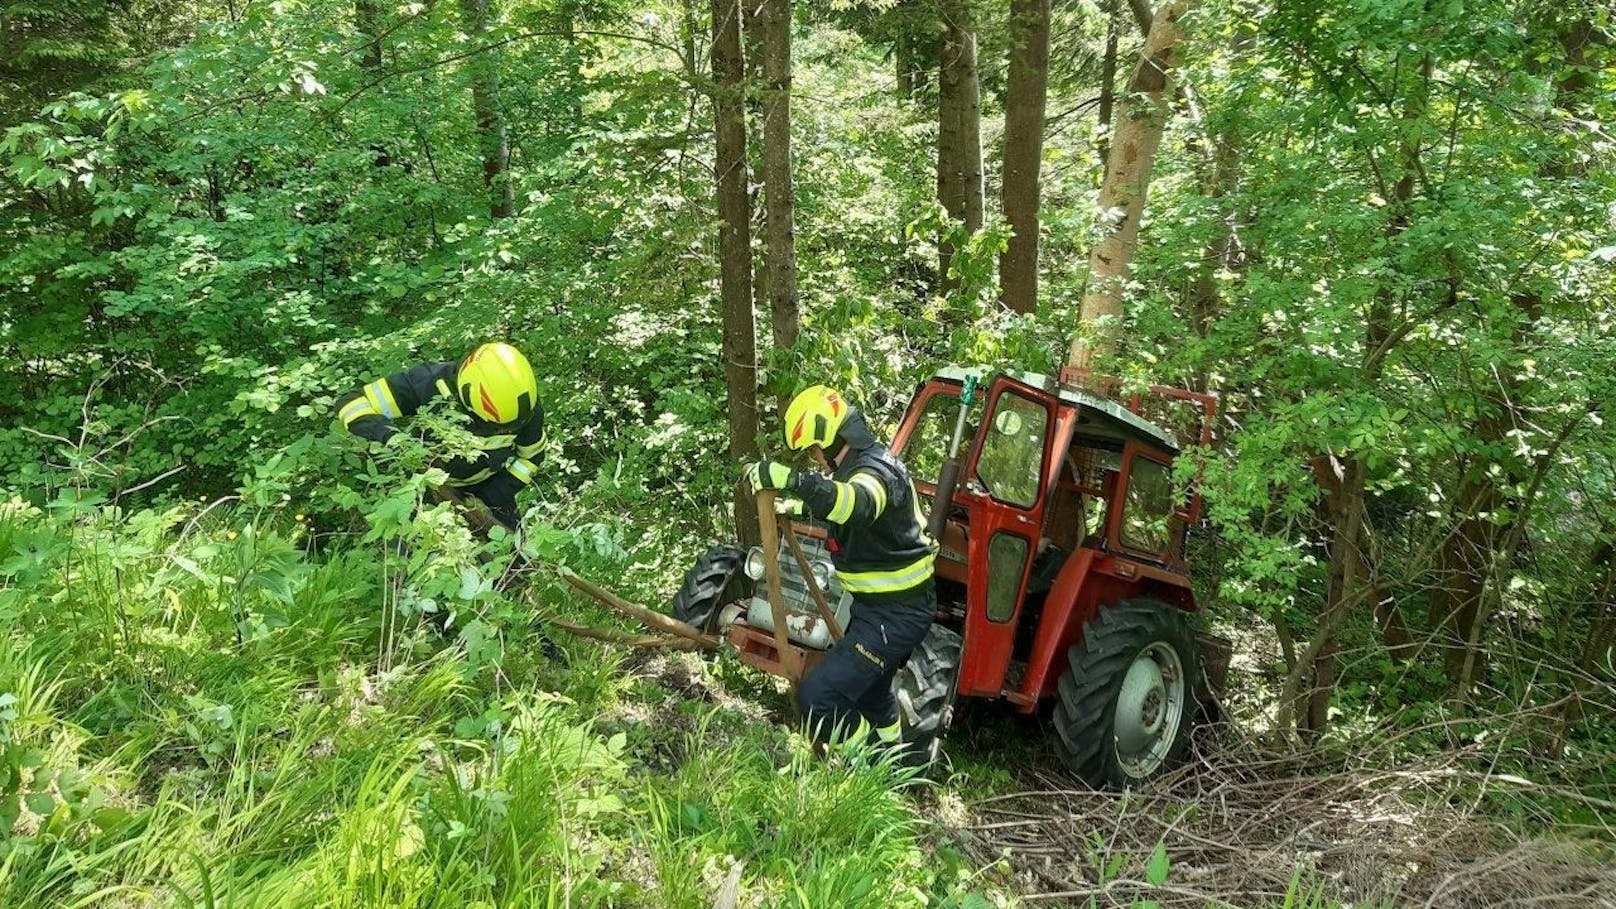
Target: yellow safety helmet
{"x": 496, "y": 383}
{"x": 814, "y": 417}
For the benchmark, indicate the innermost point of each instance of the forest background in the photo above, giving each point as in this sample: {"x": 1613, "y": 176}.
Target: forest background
{"x": 1383, "y": 230}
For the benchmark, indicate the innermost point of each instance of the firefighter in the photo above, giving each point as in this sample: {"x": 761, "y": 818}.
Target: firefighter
{"x": 495, "y": 386}
{"x": 882, "y": 555}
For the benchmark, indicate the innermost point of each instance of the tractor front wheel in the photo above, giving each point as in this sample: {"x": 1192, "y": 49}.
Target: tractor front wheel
{"x": 1126, "y": 703}
{"x": 924, "y": 689}
{"x": 715, "y": 581}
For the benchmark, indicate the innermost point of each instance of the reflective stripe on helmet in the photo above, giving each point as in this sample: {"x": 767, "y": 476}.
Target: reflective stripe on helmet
{"x": 911, "y": 575}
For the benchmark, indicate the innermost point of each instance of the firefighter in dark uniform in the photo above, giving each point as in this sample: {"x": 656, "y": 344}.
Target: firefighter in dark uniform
{"x": 882, "y": 556}
{"x": 494, "y": 385}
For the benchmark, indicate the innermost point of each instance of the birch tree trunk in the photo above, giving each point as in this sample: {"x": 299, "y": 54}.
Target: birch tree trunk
{"x": 1141, "y": 117}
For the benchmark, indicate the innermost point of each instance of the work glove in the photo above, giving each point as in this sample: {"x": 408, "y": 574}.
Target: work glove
{"x": 789, "y": 507}
{"x": 767, "y": 475}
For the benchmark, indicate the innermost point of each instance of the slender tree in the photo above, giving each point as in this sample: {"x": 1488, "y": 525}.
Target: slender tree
{"x": 1140, "y": 120}
{"x": 735, "y": 247}
{"x": 780, "y": 227}
{"x": 959, "y": 125}
{"x": 1108, "y": 82}
{"x": 367, "y": 19}
{"x": 491, "y": 137}
{"x": 1023, "y": 150}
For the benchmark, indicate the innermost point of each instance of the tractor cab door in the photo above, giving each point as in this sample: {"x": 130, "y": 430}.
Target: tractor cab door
{"x": 1006, "y": 481}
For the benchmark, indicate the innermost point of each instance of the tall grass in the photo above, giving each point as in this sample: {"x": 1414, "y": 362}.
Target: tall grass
{"x": 198, "y": 712}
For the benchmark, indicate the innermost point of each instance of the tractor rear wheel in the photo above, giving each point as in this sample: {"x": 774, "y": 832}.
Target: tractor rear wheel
{"x": 715, "y": 580}
{"x": 925, "y": 689}
{"x": 1126, "y": 703}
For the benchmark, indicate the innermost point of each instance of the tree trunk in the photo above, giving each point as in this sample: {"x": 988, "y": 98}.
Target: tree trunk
{"x": 735, "y": 250}
{"x": 780, "y": 226}
{"x": 1343, "y": 482}
{"x": 1108, "y": 82}
{"x": 1023, "y": 150}
{"x": 1140, "y": 119}
{"x": 491, "y": 138}
{"x": 959, "y": 127}
{"x": 367, "y": 20}
{"x": 903, "y": 63}
{"x": 571, "y": 16}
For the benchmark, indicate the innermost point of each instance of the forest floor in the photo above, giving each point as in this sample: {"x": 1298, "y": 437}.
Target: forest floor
{"x": 1244, "y": 824}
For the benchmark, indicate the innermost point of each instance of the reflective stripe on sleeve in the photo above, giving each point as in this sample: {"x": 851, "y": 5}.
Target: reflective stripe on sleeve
{"x": 443, "y": 389}
{"x": 522, "y": 469}
{"x": 842, "y": 509}
{"x": 356, "y": 409}
{"x": 897, "y": 579}
{"x": 381, "y": 398}
{"x": 474, "y": 479}
{"x": 872, "y": 484}
{"x": 528, "y": 451}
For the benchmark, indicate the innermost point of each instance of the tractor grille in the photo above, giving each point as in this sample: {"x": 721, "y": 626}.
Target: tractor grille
{"x": 793, "y": 589}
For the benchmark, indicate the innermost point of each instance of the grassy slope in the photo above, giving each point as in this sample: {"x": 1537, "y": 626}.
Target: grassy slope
{"x": 157, "y": 760}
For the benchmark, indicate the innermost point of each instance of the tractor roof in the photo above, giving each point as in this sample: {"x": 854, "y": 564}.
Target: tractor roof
{"x": 1097, "y": 415}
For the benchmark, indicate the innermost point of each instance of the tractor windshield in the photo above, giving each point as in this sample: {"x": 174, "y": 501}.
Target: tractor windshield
{"x": 926, "y": 447}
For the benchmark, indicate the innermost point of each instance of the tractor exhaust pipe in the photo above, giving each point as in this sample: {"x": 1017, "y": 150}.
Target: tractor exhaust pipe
{"x": 948, "y": 478}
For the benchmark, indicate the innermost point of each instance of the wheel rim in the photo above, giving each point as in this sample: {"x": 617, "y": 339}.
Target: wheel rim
{"x": 1150, "y": 707}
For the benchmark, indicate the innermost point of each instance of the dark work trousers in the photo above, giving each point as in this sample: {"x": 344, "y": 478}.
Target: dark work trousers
{"x": 498, "y": 492}
{"x": 854, "y": 679}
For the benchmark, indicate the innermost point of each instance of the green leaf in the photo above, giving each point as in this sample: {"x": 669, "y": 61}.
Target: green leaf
{"x": 1156, "y": 868}
{"x": 41, "y": 803}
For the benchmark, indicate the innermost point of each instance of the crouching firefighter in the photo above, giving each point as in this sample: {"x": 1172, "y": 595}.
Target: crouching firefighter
{"x": 494, "y": 385}
{"x": 882, "y": 556}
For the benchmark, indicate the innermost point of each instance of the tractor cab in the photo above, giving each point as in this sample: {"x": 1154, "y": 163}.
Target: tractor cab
{"x": 1066, "y": 503}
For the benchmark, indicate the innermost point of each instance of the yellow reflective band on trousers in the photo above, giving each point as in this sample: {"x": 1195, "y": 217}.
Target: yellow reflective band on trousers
{"x": 842, "y": 508}
{"x": 356, "y": 409}
{"x": 872, "y": 485}
{"x": 897, "y": 579}
{"x": 381, "y": 398}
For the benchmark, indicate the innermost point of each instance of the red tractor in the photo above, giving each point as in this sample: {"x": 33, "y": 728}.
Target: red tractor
{"x": 1061, "y": 574}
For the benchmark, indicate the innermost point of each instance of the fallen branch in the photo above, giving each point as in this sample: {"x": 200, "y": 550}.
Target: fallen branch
{"x": 612, "y": 636}
{"x": 653, "y": 620}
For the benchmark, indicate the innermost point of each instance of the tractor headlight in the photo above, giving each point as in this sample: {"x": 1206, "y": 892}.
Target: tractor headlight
{"x": 823, "y": 574}
{"x": 753, "y": 567}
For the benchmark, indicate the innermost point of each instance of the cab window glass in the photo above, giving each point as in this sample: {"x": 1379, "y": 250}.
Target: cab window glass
{"x": 1148, "y": 507}
{"x": 927, "y": 446}
{"x": 1012, "y": 458}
